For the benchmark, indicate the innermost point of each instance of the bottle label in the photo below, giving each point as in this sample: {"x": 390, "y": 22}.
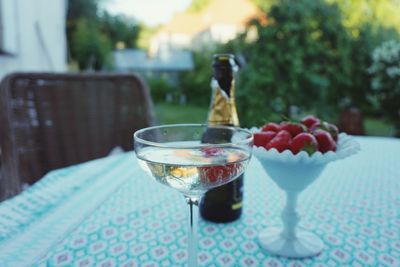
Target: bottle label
{"x": 237, "y": 206}
{"x": 222, "y": 109}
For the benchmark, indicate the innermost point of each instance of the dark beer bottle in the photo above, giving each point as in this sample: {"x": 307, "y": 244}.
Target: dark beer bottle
{"x": 224, "y": 203}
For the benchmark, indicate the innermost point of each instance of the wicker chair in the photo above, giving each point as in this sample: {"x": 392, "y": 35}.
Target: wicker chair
{"x": 51, "y": 121}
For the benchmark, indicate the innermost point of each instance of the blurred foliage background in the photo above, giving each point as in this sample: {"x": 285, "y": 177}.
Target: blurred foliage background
{"x": 310, "y": 60}
{"x": 92, "y": 34}
{"x": 311, "y": 56}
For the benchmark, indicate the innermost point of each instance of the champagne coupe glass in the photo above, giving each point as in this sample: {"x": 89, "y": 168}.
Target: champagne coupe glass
{"x": 174, "y": 155}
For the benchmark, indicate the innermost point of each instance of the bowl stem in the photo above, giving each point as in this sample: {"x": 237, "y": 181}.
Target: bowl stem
{"x": 290, "y": 217}
{"x": 289, "y": 241}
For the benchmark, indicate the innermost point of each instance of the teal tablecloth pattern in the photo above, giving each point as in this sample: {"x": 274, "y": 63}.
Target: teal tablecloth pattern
{"x": 107, "y": 213}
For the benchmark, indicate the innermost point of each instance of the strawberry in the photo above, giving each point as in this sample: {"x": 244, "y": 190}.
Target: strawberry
{"x": 334, "y": 131}
{"x": 218, "y": 173}
{"x": 329, "y": 127}
{"x": 262, "y": 138}
{"x": 325, "y": 141}
{"x": 316, "y": 126}
{"x": 281, "y": 141}
{"x": 292, "y": 127}
{"x": 271, "y": 126}
{"x": 212, "y": 151}
{"x": 304, "y": 141}
{"x": 309, "y": 120}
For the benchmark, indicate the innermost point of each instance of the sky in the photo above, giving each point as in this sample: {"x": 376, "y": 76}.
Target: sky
{"x": 151, "y": 12}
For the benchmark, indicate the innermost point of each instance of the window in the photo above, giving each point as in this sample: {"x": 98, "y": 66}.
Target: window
{"x": 8, "y": 27}
{"x": 1, "y": 28}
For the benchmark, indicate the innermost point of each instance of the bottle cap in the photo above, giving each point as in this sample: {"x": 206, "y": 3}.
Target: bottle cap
{"x": 225, "y": 61}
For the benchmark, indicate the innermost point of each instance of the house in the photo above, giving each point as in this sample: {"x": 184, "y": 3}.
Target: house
{"x": 32, "y": 36}
{"x": 168, "y": 64}
{"x": 219, "y": 22}
{"x": 170, "y": 48}
{"x": 137, "y": 60}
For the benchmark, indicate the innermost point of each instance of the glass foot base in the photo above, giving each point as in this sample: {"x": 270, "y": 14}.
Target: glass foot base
{"x": 305, "y": 244}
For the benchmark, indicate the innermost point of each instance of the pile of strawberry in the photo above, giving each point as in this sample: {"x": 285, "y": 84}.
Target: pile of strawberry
{"x": 310, "y": 134}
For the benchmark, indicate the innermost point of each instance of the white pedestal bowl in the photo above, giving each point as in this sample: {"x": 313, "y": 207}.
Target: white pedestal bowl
{"x": 293, "y": 174}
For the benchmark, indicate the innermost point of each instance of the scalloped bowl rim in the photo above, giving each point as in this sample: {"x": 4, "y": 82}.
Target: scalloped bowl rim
{"x": 346, "y": 146}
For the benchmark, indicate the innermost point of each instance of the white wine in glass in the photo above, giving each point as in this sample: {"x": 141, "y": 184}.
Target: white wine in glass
{"x": 175, "y": 156}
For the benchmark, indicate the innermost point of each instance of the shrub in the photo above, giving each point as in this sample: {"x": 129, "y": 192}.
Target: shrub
{"x": 301, "y": 58}
{"x": 385, "y": 71}
{"x": 159, "y": 88}
{"x": 195, "y": 84}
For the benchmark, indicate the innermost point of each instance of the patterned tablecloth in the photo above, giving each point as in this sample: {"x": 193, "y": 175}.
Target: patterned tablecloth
{"x": 107, "y": 213}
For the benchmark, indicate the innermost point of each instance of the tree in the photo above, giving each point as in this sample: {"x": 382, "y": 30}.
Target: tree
{"x": 362, "y": 46}
{"x": 195, "y": 84}
{"x": 197, "y": 5}
{"x": 90, "y": 47}
{"x": 145, "y": 35}
{"x": 265, "y": 5}
{"x": 92, "y": 33}
{"x": 120, "y": 28}
{"x": 76, "y": 10}
{"x": 301, "y": 58}
{"x": 385, "y": 70}
{"x": 382, "y": 13}
{"x": 79, "y": 9}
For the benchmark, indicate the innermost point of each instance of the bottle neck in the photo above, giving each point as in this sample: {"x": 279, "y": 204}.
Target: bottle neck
{"x": 223, "y": 107}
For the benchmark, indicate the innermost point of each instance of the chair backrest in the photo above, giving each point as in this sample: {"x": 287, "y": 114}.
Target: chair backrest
{"x": 50, "y": 121}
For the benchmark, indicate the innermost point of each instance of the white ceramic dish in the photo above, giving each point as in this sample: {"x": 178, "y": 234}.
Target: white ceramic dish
{"x": 293, "y": 174}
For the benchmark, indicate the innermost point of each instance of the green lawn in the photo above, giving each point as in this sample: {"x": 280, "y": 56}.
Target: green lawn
{"x": 174, "y": 113}
{"x": 377, "y": 127}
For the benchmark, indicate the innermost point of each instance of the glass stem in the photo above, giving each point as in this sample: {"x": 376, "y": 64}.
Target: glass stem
{"x": 193, "y": 203}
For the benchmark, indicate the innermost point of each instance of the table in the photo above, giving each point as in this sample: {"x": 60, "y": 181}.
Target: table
{"x": 106, "y": 213}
